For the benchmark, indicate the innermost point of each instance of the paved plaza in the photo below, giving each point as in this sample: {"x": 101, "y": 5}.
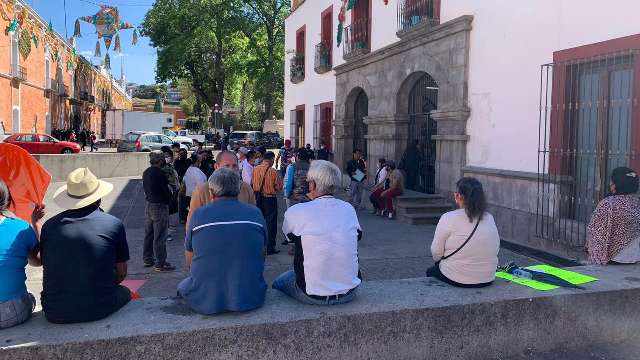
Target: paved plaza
{"x": 388, "y": 250}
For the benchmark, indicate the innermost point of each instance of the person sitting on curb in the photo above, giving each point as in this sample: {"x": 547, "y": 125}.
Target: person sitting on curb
{"x": 18, "y": 246}
{"x": 202, "y": 196}
{"x": 224, "y": 249}
{"x": 466, "y": 242}
{"x": 84, "y": 254}
{"x": 395, "y": 188}
{"x": 325, "y": 232}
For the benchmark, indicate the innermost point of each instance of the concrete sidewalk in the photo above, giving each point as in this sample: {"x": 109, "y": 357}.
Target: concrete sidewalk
{"x": 388, "y": 250}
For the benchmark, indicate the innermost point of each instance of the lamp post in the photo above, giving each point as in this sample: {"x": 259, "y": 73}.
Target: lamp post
{"x": 216, "y": 111}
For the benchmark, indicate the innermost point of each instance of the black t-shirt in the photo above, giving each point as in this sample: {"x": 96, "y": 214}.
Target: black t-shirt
{"x": 156, "y": 186}
{"x": 181, "y": 166}
{"x": 354, "y": 165}
{"x": 79, "y": 251}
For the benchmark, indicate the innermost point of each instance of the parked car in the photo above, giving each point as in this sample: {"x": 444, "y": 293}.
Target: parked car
{"x": 43, "y": 144}
{"x": 273, "y": 140}
{"x": 245, "y": 138}
{"x": 179, "y": 139}
{"x": 137, "y": 141}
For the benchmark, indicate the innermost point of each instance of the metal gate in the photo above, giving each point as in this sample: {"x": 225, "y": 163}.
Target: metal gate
{"x": 588, "y": 126}
{"x": 423, "y": 99}
{"x": 360, "y": 111}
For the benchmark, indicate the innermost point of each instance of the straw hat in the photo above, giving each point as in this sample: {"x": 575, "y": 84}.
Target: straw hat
{"x": 82, "y": 189}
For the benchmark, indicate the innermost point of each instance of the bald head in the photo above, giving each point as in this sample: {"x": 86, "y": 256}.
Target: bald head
{"x": 226, "y": 159}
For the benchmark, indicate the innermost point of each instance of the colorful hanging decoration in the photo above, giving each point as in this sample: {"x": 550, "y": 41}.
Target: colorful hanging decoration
{"x": 97, "y": 53}
{"x": 50, "y": 27}
{"x": 24, "y": 44}
{"x": 342, "y": 15}
{"x": 108, "y": 24}
{"x": 34, "y": 38}
{"x": 13, "y": 26}
{"x": 116, "y": 47}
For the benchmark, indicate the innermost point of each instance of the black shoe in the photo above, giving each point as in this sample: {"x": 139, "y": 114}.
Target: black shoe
{"x": 166, "y": 267}
{"x": 273, "y": 252}
{"x": 149, "y": 263}
{"x": 286, "y": 242}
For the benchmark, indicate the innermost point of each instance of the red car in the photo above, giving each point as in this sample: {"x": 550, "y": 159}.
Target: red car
{"x": 42, "y": 144}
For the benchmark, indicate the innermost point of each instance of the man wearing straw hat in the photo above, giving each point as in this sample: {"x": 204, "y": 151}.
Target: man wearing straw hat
{"x": 84, "y": 254}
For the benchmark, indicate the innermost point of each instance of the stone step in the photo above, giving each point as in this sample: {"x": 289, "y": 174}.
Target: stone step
{"x": 439, "y": 206}
{"x": 420, "y": 218}
{"x": 415, "y": 197}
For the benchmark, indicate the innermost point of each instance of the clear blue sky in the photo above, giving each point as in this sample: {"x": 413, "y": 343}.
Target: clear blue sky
{"x": 139, "y": 60}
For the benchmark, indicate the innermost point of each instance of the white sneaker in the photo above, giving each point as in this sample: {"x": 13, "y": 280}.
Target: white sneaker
{"x": 390, "y": 215}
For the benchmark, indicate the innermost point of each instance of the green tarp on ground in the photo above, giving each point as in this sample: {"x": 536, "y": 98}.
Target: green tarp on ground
{"x": 570, "y": 276}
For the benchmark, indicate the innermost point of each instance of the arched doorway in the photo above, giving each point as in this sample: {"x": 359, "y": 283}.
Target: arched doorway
{"x": 360, "y": 111}
{"x": 420, "y": 166}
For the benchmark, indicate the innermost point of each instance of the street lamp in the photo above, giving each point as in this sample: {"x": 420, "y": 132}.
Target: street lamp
{"x": 216, "y": 110}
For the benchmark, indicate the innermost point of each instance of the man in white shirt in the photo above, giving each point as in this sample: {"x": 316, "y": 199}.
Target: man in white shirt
{"x": 246, "y": 167}
{"x": 194, "y": 176}
{"x": 325, "y": 232}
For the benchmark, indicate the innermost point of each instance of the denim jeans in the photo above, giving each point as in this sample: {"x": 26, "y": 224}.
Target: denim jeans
{"x": 156, "y": 230}
{"x": 16, "y": 311}
{"x": 355, "y": 194}
{"x": 286, "y": 283}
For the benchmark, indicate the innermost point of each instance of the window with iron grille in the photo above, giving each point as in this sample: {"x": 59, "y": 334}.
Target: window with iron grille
{"x": 589, "y": 118}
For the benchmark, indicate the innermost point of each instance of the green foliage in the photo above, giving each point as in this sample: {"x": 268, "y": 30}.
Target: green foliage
{"x": 150, "y": 91}
{"x": 216, "y": 49}
{"x": 193, "y": 124}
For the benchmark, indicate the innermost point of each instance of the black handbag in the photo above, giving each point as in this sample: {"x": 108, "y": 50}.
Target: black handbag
{"x": 461, "y": 246}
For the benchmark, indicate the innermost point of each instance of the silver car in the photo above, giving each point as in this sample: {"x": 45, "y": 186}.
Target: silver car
{"x": 141, "y": 141}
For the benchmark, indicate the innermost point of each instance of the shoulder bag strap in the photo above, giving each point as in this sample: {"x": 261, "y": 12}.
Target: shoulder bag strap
{"x": 264, "y": 178}
{"x": 463, "y": 244}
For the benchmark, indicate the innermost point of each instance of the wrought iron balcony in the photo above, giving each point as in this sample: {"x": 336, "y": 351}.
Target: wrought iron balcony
{"x": 19, "y": 72}
{"x": 297, "y": 68}
{"x": 63, "y": 90}
{"x": 356, "y": 39}
{"x": 413, "y": 13}
{"x": 323, "y": 58}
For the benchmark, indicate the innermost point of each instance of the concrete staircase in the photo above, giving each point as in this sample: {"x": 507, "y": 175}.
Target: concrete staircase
{"x": 416, "y": 208}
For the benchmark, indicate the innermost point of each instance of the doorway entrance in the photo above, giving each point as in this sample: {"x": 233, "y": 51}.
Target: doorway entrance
{"x": 360, "y": 111}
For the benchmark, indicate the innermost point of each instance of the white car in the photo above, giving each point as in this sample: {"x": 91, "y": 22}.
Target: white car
{"x": 182, "y": 140}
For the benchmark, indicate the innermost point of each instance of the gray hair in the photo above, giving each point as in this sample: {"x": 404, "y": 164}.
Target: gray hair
{"x": 326, "y": 175}
{"x": 225, "y": 183}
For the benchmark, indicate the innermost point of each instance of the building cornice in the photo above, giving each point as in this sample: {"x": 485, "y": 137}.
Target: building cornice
{"x": 415, "y": 39}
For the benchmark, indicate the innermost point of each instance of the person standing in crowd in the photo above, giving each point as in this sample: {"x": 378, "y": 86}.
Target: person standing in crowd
{"x": 156, "y": 223}
{"x": 296, "y": 186}
{"x": 357, "y": 169}
{"x": 82, "y": 137}
{"x": 466, "y": 242}
{"x": 325, "y": 233}
{"x": 284, "y": 157}
{"x": 84, "y": 254}
{"x": 267, "y": 183}
{"x": 207, "y": 163}
{"x": 310, "y": 153}
{"x": 174, "y": 184}
{"x": 224, "y": 143}
{"x": 18, "y": 246}
{"x": 394, "y": 189}
{"x": 92, "y": 141}
{"x": 72, "y": 136}
{"x": 410, "y": 163}
{"x": 246, "y": 166}
{"x": 192, "y": 178}
{"x": 381, "y": 184}
{"x": 613, "y": 234}
{"x": 224, "y": 249}
{"x": 201, "y": 196}
{"x": 181, "y": 165}
{"x": 323, "y": 153}
{"x": 175, "y": 148}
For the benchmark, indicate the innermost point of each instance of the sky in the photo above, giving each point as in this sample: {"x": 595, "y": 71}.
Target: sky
{"x": 139, "y": 60}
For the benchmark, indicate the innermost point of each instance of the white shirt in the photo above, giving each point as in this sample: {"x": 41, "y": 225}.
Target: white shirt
{"x": 477, "y": 261}
{"x": 329, "y": 231}
{"x": 382, "y": 176}
{"x": 192, "y": 178}
{"x": 246, "y": 170}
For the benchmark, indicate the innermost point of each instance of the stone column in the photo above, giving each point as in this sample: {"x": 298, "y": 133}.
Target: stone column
{"x": 387, "y": 137}
{"x": 342, "y": 142}
{"x": 451, "y": 147}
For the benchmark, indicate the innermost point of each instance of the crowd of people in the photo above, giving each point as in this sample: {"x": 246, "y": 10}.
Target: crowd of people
{"x": 229, "y": 206}
{"x": 84, "y": 137}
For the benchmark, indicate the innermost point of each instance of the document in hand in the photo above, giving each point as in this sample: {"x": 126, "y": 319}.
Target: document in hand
{"x": 359, "y": 175}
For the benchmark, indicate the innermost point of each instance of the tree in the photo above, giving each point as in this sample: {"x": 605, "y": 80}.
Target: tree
{"x": 196, "y": 40}
{"x": 264, "y": 27}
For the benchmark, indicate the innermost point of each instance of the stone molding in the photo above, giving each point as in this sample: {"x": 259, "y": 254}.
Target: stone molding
{"x": 387, "y": 120}
{"x": 512, "y": 174}
{"x": 412, "y": 40}
{"x": 464, "y": 138}
{"x": 451, "y": 122}
{"x": 420, "y": 29}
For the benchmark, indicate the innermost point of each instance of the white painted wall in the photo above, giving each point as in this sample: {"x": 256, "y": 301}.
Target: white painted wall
{"x": 320, "y": 88}
{"x": 510, "y": 40}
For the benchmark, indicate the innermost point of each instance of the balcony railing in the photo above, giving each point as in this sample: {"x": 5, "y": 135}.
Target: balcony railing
{"x": 412, "y": 13}
{"x": 19, "y": 72}
{"x": 323, "y": 58}
{"x": 297, "y": 68}
{"x": 356, "y": 39}
{"x": 63, "y": 90}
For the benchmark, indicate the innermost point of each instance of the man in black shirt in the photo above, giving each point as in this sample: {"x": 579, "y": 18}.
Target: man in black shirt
{"x": 156, "y": 224}
{"x": 323, "y": 153}
{"x": 182, "y": 163}
{"x": 84, "y": 254}
{"x": 356, "y": 168}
